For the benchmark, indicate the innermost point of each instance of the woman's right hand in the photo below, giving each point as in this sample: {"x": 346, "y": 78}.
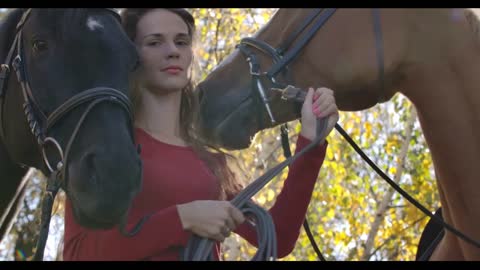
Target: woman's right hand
{"x": 318, "y": 104}
{"x": 210, "y": 219}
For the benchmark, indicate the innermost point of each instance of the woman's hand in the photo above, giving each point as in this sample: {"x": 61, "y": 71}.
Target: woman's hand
{"x": 318, "y": 104}
{"x": 210, "y": 219}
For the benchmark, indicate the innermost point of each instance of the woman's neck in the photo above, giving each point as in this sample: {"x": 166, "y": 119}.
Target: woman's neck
{"x": 159, "y": 115}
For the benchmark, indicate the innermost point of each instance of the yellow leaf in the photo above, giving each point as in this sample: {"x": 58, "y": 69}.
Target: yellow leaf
{"x": 368, "y": 130}
{"x": 266, "y": 16}
{"x": 261, "y": 199}
{"x": 426, "y": 163}
{"x": 270, "y": 194}
{"x": 393, "y": 170}
{"x": 298, "y": 127}
{"x": 329, "y": 154}
{"x": 331, "y": 213}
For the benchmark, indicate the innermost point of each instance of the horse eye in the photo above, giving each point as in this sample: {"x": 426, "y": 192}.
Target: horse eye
{"x": 39, "y": 45}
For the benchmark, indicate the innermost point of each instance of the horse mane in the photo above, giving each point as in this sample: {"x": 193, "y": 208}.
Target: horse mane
{"x": 63, "y": 19}
{"x": 7, "y": 31}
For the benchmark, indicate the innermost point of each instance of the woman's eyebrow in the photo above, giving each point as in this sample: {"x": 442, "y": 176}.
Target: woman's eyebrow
{"x": 159, "y": 35}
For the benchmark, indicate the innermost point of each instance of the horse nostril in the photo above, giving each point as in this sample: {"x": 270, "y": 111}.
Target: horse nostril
{"x": 89, "y": 161}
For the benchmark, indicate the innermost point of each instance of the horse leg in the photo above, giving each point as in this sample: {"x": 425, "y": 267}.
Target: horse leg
{"x": 12, "y": 177}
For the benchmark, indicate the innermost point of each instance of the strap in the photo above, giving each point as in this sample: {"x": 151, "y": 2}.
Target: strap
{"x": 85, "y": 96}
{"x": 296, "y": 49}
{"x": 200, "y": 248}
{"x": 377, "y": 28}
{"x": 282, "y": 48}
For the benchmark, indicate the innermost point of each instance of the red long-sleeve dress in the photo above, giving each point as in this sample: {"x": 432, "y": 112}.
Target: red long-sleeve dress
{"x": 174, "y": 175}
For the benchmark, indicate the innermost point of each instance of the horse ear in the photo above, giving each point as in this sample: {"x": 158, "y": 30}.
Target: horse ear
{"x": 7, "y": 31}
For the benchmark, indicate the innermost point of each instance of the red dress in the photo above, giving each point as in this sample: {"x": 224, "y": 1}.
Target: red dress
{"x": 174, "y": 175}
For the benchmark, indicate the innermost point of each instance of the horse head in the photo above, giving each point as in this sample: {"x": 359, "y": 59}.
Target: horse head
{"x": 64, "y": 106}
{"x": 341, "y": 50}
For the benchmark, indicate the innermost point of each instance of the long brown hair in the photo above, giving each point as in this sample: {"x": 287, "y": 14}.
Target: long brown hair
{"x": 231, "y": 180}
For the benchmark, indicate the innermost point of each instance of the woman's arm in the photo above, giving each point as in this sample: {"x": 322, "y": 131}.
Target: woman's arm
{"x": 161, "y": 231}
{"x": 290, "y": 207}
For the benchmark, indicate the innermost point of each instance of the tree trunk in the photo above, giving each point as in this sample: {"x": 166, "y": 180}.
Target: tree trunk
{"x": 383, "y": 207}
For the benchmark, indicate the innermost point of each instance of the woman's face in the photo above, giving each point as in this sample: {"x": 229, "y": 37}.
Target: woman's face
{"x": 165, "y": 50}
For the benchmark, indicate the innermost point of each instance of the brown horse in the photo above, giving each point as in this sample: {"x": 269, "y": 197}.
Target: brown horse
{"x": 432, "y": 56}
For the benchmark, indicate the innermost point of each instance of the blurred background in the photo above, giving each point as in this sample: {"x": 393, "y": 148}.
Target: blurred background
{"x": 354, "y": 215}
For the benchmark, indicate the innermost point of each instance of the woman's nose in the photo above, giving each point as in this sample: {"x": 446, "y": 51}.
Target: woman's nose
{"x": 172, "y": 50}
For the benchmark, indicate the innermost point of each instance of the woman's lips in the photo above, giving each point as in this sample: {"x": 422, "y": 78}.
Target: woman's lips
{"x": 172, "y": 70}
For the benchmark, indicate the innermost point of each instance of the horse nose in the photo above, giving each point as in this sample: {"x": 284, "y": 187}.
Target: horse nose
{"x": 109, "y": 182}
{"x": 111, "y": 173}
{"x": 89, "y": 161}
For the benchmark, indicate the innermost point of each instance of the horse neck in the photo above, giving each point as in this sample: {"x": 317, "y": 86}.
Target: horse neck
{"x": 449, "y": 114}
{"x": 448, "y": 106}
{"x": 443, "y": 84}
{"x": 444, "y": 88}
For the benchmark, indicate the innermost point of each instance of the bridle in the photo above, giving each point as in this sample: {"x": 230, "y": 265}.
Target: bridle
{"x": 198, "y": 248}
{"x": 280, "y": 56}
{"x": 40, "y": 124}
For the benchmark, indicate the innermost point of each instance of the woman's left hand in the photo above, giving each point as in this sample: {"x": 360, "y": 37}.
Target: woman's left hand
{"x": 318, "y": 104}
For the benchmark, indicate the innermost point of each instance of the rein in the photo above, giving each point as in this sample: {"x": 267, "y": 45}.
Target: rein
{"x": 200, "y": 249}
{"x": 297, "y": 94}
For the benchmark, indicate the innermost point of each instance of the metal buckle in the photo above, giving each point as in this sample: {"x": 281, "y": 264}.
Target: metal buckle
{"x": 289, "y": 92}
{"x": 5, "y": 68}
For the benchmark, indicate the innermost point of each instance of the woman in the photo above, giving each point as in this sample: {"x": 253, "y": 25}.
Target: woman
{"x": 186, "y": 185}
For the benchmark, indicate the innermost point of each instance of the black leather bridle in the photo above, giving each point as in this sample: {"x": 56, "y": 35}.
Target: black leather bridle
{"x": 282, "y": 56}
{"x": 40, "y": 123}
{"x": 199, "y": 249}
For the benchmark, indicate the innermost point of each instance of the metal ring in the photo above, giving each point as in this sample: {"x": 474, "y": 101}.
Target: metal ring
{"x": 226, "y": 231}
{"x": 59, "y": 148}
{"x": 5, "y": 67}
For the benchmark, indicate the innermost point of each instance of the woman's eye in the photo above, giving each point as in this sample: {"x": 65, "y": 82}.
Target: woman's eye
{"x": 183, "y": 43}
{"x": 153, "y": 43}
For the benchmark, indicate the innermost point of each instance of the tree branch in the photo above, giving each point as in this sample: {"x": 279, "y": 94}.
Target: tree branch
{"x": 384, "y": 205}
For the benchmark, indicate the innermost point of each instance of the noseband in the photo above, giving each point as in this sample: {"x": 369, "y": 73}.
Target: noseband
{"x": 40, "y": 124}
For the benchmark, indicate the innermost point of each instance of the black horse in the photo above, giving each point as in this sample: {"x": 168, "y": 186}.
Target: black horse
{"x": 64, "y": 108}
